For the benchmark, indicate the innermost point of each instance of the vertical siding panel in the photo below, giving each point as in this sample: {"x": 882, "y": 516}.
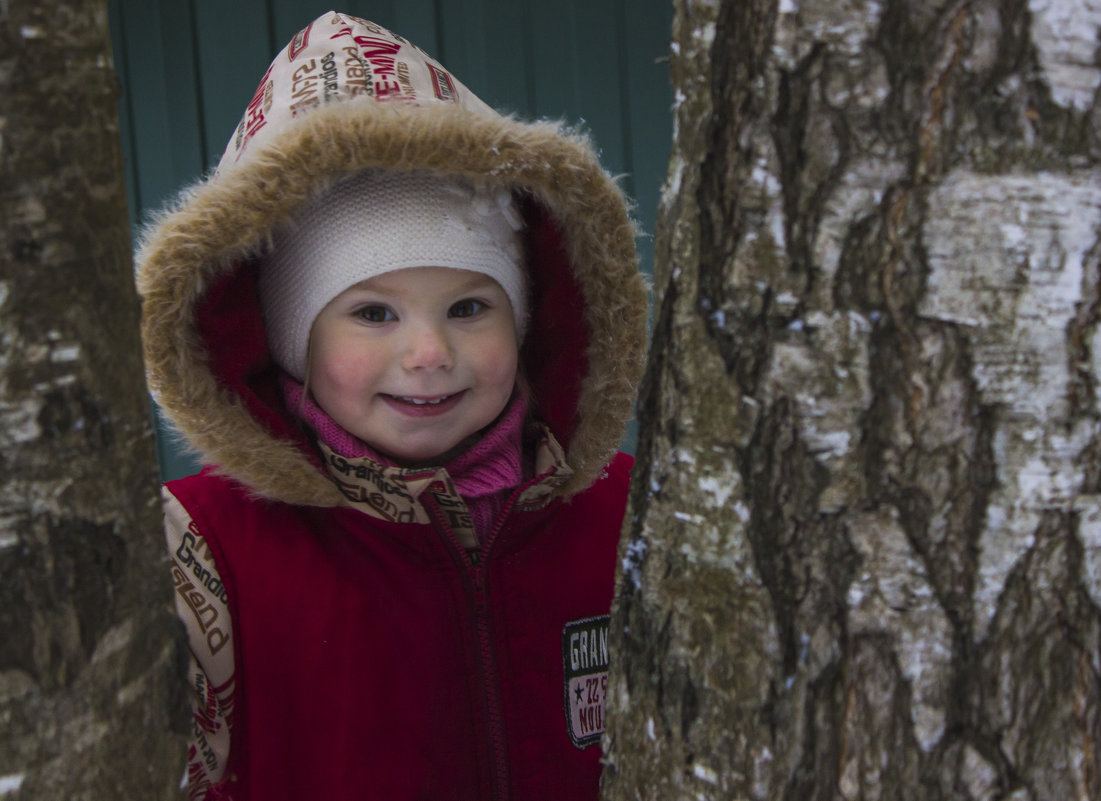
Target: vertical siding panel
{"x": 288, "y": 17}
{"x": 597, "y": 79}
{"x": 501, "y": 58}
{"x": 291, "y": 16}
{"x": 147, "y": 96}
{"x": 483, "y": 43}
{"x": 554, "y": 61}
{"x": 116, "y": 22}
{"x": 173, "y": 458}
{"x": 185, "y": 146}
{"x": 576, "y": 62}
{"x": 647, "y": 94}
{"x": 649, "y": 97}
{"x": 462, "y": 42}
{"x": 153, "y": 57}
{"x": 186, "y": 142}
{"x": 418, "y": 22}
{"x": 163, "y": 143}
{"x": 382, "y": 13}
{"x": 233, "y": 53}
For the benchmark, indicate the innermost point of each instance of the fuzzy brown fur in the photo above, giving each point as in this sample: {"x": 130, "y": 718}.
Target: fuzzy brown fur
{"x": 230, "y": 217}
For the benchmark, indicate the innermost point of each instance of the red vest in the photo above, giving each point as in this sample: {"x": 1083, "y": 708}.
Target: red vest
{"x": 381, "y": 660}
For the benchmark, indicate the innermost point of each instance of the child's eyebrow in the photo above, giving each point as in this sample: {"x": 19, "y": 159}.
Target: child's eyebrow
{"x": 380, "y": 284}
{"x": 476, "y": 281}
{"x": 468, "y": 282}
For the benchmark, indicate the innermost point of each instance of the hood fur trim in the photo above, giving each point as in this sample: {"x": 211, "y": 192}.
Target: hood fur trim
{"x": 227, "y": 220}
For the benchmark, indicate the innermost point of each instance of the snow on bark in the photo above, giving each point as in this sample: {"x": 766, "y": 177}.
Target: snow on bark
{"x": 1065, "y": 33}
{"x": 1008, "y": 257}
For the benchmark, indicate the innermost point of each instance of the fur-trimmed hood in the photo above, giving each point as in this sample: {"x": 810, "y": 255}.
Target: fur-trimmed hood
{"x": 342, "y": 96}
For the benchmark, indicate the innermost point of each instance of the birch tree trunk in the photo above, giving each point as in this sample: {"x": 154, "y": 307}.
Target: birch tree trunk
{"x": 89, "y": 662}
{"x": 863, "y": 556}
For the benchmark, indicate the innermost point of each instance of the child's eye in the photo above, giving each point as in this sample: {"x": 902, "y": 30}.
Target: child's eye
{"x": 466, "y": 308}
{"x": 375, "y": 314}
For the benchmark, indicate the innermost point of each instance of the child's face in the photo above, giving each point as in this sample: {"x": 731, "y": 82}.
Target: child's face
{"x": 415, "y": 360}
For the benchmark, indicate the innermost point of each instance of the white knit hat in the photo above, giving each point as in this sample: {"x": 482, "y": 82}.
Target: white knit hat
{"x": 376, "y": 222}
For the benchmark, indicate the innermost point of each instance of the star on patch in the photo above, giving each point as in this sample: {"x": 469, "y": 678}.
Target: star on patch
{"x": 577, "y": 692}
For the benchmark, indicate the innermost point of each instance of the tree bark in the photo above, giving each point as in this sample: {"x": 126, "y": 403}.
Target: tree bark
{"x": 90, "y": 661}
{"x": 862, "y": 558}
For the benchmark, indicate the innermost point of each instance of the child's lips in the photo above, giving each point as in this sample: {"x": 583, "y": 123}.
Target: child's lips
{"x": 424, "y": 405}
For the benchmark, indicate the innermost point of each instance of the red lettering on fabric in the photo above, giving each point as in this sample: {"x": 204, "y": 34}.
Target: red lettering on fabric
{"x": 442, "y": 84}
{"x": 254, "y": 114}
{"x": 592, "y": 720}
{"x": 198, "y": 785}
{"x": 299, "y": 43}
{"x": 379, "y": 53}
{"x": 387, "y": 90}
{"x": 206, "y": 718}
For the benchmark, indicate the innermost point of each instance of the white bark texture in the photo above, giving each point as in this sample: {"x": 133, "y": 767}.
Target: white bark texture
{"x": 91, "y": 677}
{"x": 863, "y": 554}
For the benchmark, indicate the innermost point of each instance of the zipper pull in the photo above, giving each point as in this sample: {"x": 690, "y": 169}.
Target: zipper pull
{"x": 475, "y": 557}
{"x": 479, "y": 585}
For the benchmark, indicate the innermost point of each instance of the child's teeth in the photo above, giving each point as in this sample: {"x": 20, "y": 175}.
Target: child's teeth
{"x": 420, "y": 402}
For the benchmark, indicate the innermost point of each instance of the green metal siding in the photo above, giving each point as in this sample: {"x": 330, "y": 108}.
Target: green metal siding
{"x": 187, "y": 72}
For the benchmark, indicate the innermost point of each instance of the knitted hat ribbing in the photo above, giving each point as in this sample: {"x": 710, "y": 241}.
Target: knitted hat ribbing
{"x": 376, "y": 222}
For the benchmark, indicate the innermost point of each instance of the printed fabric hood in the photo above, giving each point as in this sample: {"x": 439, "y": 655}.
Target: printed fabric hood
{"x": 344, "y": 95}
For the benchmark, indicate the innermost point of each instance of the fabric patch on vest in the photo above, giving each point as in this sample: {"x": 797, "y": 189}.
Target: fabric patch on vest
{"x": 585, "y": 667}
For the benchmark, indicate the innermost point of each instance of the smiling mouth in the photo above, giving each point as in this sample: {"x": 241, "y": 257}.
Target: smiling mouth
{"x": 423, "y": 401}
{"x": 425, "y": 406}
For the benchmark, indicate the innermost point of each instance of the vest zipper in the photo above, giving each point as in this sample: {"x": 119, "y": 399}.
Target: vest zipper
{"x": 474, "y": 571}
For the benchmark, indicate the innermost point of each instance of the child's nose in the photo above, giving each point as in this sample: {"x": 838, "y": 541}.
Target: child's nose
{"x": 428, "y": 348}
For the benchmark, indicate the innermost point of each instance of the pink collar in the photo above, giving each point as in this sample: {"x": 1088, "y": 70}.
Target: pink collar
{"x": 491, "y": 464}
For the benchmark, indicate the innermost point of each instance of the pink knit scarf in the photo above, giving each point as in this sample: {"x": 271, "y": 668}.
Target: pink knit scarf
{"x": 482, "y": 473}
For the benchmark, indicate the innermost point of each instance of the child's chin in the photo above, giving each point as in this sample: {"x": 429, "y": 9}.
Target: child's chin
{"x": 431, "y": 455}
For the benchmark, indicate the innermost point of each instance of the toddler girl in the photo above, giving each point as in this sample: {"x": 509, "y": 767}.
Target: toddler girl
{"x": 404, "y": 332}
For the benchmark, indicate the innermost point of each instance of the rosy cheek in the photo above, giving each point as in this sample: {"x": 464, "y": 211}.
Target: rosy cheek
{"x": 504, "y": 363}
{"x": 341, "y": 372}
